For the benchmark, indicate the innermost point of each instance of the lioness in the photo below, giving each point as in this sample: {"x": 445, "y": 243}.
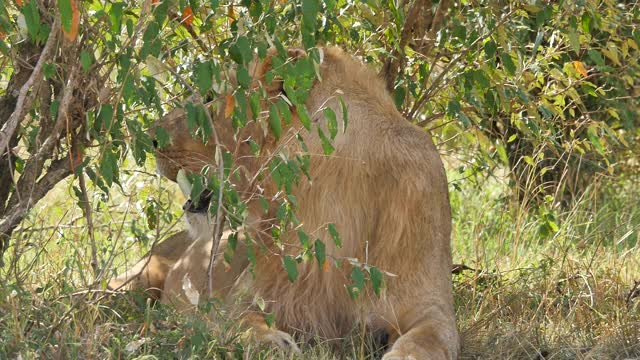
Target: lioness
{"x": 385, "y": 190}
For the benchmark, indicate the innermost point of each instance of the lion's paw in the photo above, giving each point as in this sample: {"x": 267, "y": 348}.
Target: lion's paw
{"x": 281, "y": 339}
{"x": 394, "y": 355}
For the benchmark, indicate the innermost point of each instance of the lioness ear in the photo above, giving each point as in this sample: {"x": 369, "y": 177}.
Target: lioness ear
{"x": 296, "y": 53}
{"x": 273, "y": 86}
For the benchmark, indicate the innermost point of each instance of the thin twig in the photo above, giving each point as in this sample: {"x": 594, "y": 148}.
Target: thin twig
{"x": 217, "y": 231}
{"x": 435, "y": 84}
{"x": 87, "y": 213}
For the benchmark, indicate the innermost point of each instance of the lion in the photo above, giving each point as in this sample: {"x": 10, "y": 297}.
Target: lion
{"x": 172, "y": 259}
{"x": 384, "y": 188}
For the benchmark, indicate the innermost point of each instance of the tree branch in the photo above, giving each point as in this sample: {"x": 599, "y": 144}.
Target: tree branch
{"x": 24, "y": 101}
{"x": 419, "y": 31}
{"x": 58, "y": 170}
{"x": 35, "y": 164}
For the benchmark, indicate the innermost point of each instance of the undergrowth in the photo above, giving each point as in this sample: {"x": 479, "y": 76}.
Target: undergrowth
{"x": 532, "y": 286}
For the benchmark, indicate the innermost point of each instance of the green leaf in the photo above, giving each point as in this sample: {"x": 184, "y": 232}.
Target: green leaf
{"x": 151, "y": 212}
{"x": 327, "y": 147}
{"x": 358, "y": 277}
{"x": 254, "y": 102}
{"x": 304, "y": 116}
{"x": 255, "y": 148}
{"x": 244, "y": 79}
{"x": 264, "y": 204}
{"x": 508, "y": 64}
{"x": 502, "y": 153}
{"x": 274, "y": 121}
{"x": 376, "y": 279}
{"x": 345, "y": 116}
{"x": 105, "y": 115}
{"x": 86, "y": 59}
{"x": 55, "y": 105}
{"x": 574, "y": 41}
{"x": 204, "y": 77}
{"x": 399, "y": 96}
{"x": 586, "y": 23}
{"x": 320, "y": 251}
{"x": 309, "y": 12}
{"x": 596, "y": 57}
{"x": 197, "y": 121}
{"x": 334, "y": 235}
{"x": 332, "y": 123}
{"x": 128, "y": 88}
{"x": 240, "y": 51}
{"x": 453, "y": 108}
{"x": 592, "y": 133}
{"x": 3, "y": 47}
{"x": 197, "y": 187}
{"x": 151, "y": 32}
{"x": 304, "y": 238}
{"x": 464, "y": 119}
{"x": 537, "y": 43}
{"x": 283, "y": 107}
{"x": 490, "y": 49}
{"x": 269, "y": 319}
{"x": 32, "y": 18}
{"x": 109, "y": 167}
{"x": 115, "y": 16}
{"x": 162, "y": 137}
{"x": 66, "y": 13}
{"x": 543, "y": 16}
{"x": 151, "y": 42}
{"x": 291, "y": 267}
{"x": 48, "y": 70}
{"x": 358, "y": 282}
{"x": 251, "y": 253}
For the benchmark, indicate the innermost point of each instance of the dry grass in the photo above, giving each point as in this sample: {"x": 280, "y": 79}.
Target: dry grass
{"x": 573, "y": 294}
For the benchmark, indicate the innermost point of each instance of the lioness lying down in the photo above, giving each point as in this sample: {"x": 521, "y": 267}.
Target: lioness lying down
{"x": 385, "y": 190}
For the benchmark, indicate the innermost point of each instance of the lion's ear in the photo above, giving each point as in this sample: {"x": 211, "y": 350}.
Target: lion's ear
{"x": 274, "y": 86}
{"x": 296, "y": 53}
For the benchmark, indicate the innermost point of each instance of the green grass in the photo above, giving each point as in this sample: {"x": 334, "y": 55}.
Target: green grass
{"x": 531, "y": 293}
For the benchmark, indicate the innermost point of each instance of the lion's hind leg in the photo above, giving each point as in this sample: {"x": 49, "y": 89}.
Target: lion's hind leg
{"x": 149, "y": 274}
{"x": 426, "y": 331}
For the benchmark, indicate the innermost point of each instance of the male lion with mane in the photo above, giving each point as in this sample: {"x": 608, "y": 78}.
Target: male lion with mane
{"x": 384, "y": 188}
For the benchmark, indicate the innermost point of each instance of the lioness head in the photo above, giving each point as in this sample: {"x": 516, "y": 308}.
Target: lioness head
{"x": 193, "y": 154}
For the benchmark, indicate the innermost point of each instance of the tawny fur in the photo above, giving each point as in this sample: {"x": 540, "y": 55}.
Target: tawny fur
{"x": 150, "y": 273}
{"x": 384, "y": 188}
